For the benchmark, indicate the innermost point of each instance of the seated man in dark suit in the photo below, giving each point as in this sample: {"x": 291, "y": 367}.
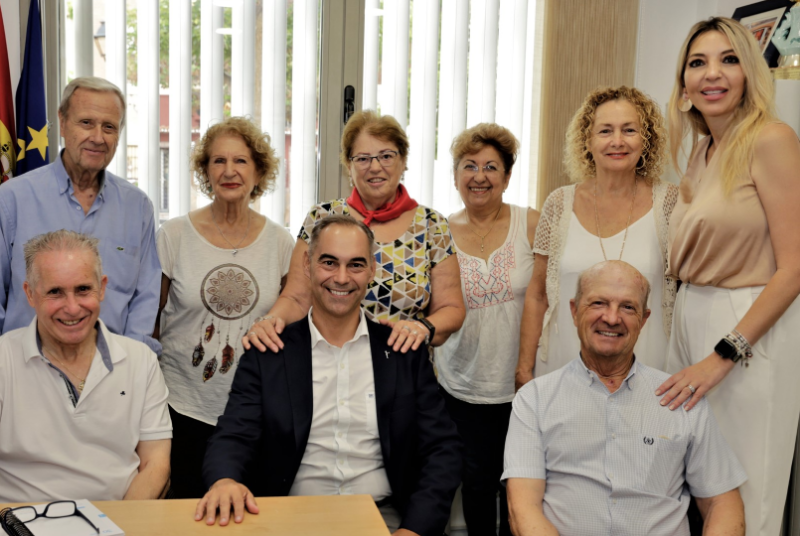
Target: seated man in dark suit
{"x": 338, "y": 410}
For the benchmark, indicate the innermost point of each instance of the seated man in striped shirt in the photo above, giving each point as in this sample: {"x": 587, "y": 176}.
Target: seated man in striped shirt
{"x": 591, "y": 451}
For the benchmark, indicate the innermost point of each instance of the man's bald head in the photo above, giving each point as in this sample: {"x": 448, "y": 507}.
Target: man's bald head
{"x": 619, "y": 268}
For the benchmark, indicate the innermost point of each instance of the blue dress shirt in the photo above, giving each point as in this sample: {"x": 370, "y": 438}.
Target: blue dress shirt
{"x": 121, "y": 216}
{"x": 616, "y": 463}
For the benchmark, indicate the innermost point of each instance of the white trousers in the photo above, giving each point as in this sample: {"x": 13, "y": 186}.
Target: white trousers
{"x": 757, "y": 407}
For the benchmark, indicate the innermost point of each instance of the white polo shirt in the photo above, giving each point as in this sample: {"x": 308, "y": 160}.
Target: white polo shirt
{"x": 53, "y": 447}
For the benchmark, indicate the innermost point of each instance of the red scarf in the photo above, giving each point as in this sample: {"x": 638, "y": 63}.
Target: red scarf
{"x": 402, "y": 202}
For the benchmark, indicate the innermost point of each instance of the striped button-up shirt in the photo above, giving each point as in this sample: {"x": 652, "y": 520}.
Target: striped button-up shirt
{"x": 616, "y": 463}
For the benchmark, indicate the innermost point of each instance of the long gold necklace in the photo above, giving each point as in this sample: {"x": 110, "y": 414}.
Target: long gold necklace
{"x": 82, "y": 383}
{"x": 490, "y": 228}
{"x": 597, "y": 221}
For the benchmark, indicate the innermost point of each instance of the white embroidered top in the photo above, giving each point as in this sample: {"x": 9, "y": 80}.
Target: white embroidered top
{"x": 477, "y": 362}
{"x": 551, "y": 239}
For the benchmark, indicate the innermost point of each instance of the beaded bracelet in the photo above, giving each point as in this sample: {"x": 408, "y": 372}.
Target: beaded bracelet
{"x": 742, "y": 346}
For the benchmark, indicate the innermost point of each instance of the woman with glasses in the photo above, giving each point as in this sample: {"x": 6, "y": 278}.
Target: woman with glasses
{"x": 416, "y": 285}
{"x": 618, "y": 210}
{"x": 494, "y": 244}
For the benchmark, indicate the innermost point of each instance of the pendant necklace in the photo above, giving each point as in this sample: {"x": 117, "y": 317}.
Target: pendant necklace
{"x": 81, "y": 385}
{"x": 490, "y": 228}
{"x": 597, "y": 221}
{"x": 246, "y": 232}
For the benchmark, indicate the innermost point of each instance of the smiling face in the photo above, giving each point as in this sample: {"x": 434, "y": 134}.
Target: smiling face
{"x": 610, "y": 312}
{"x": 616, "y": 142}
{"x": 90, "y": 131}
{"x": 231, "y": 169}
{"x": 481, "y": 179}
{"x": 66, "y": 296}
{"x": 713, "y": 77}
{"x": 340, "y": 268}
{"x": 376, "y": 184}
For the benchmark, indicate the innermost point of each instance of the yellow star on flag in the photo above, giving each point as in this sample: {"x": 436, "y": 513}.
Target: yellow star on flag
{"x": 21, "y": 153}
{"x": 38, "y": 140}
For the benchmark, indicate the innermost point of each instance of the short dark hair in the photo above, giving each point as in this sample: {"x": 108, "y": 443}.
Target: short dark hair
{"x": 339, "y": 219}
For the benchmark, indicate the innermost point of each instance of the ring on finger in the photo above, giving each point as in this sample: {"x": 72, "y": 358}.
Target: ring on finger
{"x": 692, "y": 389}
{"x": 415, "y": 333}
{"x": 406, "y": 328}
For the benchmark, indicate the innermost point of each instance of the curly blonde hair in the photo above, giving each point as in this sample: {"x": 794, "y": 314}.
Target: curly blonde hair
{"x": 756, "y": 109}
{"x": 257, "y": 141}
{"x": 481, "y": 135}
{"x": 578, "y": 160}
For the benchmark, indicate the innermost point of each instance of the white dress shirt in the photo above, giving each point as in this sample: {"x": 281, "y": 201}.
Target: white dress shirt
{"x": 343, "y": 455}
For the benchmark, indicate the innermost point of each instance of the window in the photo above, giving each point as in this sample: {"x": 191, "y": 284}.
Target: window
{"x": 437, "y": 66}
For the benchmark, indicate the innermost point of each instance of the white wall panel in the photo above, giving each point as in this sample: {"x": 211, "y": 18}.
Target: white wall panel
{"x": 180, "y": 108}
{"x": 424, "y": 80}
{"x": 303, "y": 158}
{"x": 273, "y": 100}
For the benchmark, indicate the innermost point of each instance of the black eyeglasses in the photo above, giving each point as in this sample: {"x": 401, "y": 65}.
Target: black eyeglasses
{"x": 386, "y": 159}
{"x": 54, "y": 510}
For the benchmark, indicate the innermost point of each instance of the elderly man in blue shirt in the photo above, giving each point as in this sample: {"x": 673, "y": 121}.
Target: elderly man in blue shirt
{"x": 77, "y": 193}
{"x": 591, "y": 451}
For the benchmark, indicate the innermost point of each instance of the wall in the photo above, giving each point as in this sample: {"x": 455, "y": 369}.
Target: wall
{"x": 587, "y": 44}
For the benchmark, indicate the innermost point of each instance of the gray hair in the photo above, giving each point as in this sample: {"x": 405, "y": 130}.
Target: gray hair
{"x": 61, "y": 240}
{"x": 92, "y": 83}
{"x": 340, "y": 219}
{"x": 589, "y": 272}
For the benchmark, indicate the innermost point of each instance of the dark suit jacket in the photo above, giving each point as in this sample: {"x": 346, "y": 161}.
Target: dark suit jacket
{"x": 268, "y": 417}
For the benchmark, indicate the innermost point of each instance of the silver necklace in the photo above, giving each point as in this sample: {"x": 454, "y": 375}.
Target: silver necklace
{"x": 246, "y": 232}
{"x": 597, "y": 221}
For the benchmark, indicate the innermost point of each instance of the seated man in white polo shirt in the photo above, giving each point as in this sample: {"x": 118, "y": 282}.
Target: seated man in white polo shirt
{"x": 83, "y": 412}
{"x": 591, "y": 451}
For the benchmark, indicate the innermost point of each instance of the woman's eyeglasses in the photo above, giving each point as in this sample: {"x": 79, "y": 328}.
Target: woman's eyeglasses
{"x": 471, "y": 170}
{"x": 386, "y": 159}
{"x": 54, "y": 510}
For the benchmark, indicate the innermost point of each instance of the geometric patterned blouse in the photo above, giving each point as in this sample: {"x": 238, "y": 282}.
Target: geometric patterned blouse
{"x": 401, "y": 289}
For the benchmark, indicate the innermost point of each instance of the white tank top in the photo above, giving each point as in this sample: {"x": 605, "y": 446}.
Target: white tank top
{"x": 477, "y": 362}
{"x": 582, "y": 251}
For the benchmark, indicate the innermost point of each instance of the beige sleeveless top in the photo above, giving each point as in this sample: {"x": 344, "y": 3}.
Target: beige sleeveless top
{"x": 717, "y": 239}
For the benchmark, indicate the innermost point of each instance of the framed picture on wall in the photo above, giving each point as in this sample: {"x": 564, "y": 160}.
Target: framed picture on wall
{"x": 762, "y": 19}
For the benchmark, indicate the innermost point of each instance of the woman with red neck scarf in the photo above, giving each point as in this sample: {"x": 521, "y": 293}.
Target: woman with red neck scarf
{"x": 417, "y": 287}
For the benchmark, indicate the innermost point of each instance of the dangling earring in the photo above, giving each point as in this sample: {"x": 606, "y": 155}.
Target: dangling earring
{"x": 352, "y": 184}
{"x": 685, "y": 104}
{"x": 640, "y": 169}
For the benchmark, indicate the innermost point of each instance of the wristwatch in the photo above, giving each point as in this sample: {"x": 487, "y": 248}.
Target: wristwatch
{"x": 727, "y": 350}
{"x": 431, "y": 329}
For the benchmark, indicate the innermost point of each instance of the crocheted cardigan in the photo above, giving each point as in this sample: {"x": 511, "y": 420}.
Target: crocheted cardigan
{"x": 551, "y": 236}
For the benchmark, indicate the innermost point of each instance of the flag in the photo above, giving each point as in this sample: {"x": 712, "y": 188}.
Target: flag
{"x": 8, "y": 135}
{"x": 31, "y": 104}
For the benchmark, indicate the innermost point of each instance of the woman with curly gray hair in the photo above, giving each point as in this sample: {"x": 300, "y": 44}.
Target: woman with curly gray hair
{"x": 223, "y": 266}
{"x": 618, "y": 209}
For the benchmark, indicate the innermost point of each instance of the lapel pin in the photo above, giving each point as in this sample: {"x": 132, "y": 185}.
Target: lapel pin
{"x": 387, "y": 353}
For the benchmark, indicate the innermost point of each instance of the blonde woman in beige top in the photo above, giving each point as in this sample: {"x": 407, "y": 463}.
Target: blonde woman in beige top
{"x": 735, "y": 245}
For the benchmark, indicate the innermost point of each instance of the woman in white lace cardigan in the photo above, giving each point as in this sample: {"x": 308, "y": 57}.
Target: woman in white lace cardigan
{"x": 619, "y": 209}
